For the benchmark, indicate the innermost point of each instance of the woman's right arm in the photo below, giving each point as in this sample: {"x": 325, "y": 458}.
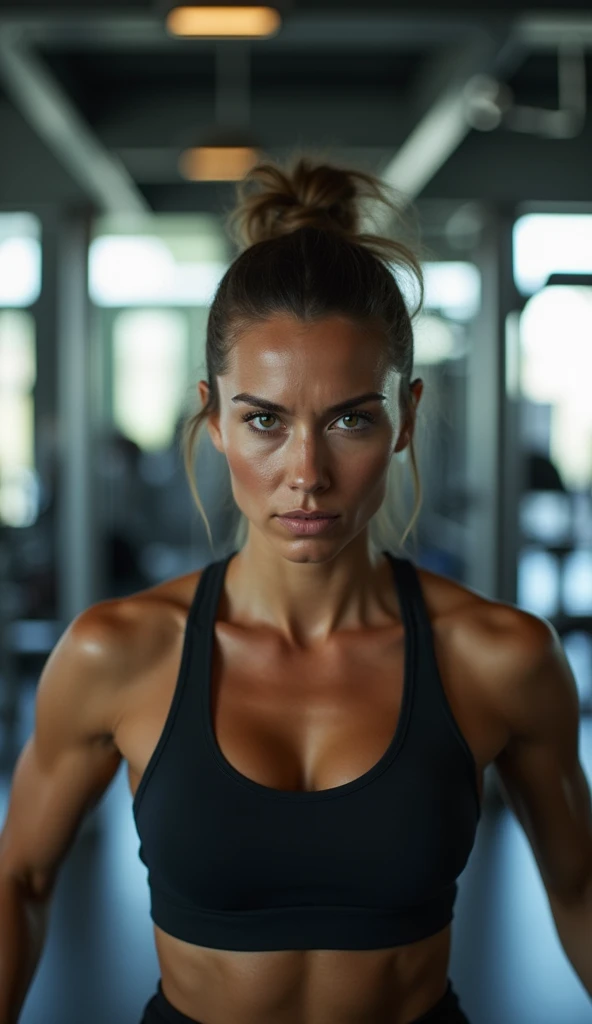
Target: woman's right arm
{"x": 62, "y": 772}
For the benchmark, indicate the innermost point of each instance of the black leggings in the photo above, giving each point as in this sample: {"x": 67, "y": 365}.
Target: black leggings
{"x": 446, "y": 1011}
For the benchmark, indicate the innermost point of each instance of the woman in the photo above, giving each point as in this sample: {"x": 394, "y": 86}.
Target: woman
{"x": 306, "y": 721}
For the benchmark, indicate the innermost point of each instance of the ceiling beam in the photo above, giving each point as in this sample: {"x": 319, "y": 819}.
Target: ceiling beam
{"x": 367, "y": 30}
{"x": 53, "y": 116}
{"x": 438, "y": 131}
{"x": 428, "y": 26}
{"x": 547, "y": 31}
{"x": 438, "y": 117}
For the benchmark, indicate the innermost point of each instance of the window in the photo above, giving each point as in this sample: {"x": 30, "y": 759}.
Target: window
{"x": 18, "y": 480}
{"x": 150, "y": 376}
{"x": 20, "y": 259}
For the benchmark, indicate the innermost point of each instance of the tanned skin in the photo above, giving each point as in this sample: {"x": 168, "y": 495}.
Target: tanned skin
{"x": 309, "y": 650}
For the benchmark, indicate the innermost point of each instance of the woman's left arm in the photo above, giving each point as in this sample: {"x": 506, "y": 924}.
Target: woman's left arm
{"x": 543, "y": 779}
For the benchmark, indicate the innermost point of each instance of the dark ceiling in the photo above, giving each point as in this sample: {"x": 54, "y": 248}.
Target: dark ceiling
{"x": 97, "y": 101}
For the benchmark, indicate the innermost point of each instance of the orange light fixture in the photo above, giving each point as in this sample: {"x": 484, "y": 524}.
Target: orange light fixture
{"x": 222, "y": 22}
{"x": 217, "y": 163}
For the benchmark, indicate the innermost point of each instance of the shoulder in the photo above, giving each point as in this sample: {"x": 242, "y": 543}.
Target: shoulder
{"x": 501, "y": 645}
{"x": 123, "y": 638}
{"x": 502, "y": 627}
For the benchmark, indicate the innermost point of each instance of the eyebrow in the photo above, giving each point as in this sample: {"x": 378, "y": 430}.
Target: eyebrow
{"x": 369, "y": 396}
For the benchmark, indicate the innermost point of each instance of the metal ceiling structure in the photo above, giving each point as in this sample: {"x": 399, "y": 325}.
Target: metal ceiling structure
{"x": 97, "y": 100}
{"x": 477, "y": 114}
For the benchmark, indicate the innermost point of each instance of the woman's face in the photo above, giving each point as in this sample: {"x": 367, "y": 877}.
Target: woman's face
{"x": 308, "y": 456}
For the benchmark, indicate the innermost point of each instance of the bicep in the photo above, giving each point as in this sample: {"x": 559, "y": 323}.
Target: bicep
{"x": 67, "y": 762}
{"x": 540, "y": 771}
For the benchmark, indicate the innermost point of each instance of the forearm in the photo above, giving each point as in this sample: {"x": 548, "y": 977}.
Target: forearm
{"x": 23, "y": 927}
{"x": 573, "y": 920}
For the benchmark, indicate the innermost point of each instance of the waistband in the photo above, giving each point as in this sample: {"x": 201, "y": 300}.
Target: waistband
{"x": 446, "y": 1011}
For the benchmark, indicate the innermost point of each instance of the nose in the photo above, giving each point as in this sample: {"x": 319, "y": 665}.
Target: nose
{"x": 307, "y": 463}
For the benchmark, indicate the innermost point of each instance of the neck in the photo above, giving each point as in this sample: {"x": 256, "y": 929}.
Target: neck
{"x": 308, "y": 602}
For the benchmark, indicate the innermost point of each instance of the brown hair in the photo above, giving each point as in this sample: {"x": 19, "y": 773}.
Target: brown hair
{"x": 304, "y": 253}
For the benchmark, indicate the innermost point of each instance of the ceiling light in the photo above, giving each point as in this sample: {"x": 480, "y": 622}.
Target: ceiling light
{"x": 217, "y": 163}
{"x": 216, "y": 22}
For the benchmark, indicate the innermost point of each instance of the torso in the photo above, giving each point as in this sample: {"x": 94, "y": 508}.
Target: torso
{"x": 300, "y": 721}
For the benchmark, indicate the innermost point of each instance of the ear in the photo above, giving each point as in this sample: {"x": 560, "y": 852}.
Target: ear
{"x": 213, "y": 420}
{"x": 406, "y": 433}
{"x": 402, "y": 440}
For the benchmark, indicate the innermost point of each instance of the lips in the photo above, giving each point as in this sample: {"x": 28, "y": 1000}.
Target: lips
{"x": 308, "y": 517}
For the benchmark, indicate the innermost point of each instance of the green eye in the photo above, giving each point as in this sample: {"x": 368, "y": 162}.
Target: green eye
{"x": 269, "y": 415}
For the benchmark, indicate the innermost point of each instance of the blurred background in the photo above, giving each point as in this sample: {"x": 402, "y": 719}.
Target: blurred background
{"x": 122, "y": 134}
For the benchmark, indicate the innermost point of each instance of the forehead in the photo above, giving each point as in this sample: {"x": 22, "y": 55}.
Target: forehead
{"x": 283, "y": 347}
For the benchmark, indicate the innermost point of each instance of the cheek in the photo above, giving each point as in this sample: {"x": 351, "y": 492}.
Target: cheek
{"x": 250, "y": 470}
{"x": 367, "y": 470}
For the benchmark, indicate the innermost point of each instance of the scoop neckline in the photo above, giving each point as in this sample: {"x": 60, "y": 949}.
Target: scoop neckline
{"x": 207, "y": 624}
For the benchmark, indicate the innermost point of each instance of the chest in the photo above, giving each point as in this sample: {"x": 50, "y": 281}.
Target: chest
{"x": 303, "y": 721}
{"x": 306, "y": 721}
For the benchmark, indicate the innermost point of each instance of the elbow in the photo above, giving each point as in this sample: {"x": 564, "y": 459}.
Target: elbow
{"x": 36, "y": 886}
{"x": 576, "y": 892}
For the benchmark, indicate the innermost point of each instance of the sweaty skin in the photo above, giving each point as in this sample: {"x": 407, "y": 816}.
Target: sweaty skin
{"x": 318, "y": 609}
{"x": 306, "y": 686}
{"x": 256, "y": 676}
{"x": 308, "y": 652}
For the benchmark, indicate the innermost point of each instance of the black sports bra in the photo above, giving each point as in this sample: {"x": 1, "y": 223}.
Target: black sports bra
{"x": 233, "y": 864}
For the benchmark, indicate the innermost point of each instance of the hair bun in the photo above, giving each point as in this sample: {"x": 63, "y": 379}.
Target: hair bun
{"x": 273, "y": 201}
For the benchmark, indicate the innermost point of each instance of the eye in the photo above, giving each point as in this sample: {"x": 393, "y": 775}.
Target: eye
{"x": 360, "y": 414}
